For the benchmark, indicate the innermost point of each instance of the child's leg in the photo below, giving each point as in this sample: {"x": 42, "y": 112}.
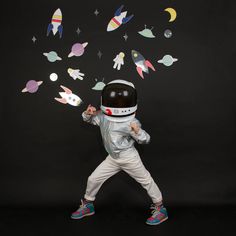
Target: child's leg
{"x": 104, "y": 171}
{"x": 135, "y": 168}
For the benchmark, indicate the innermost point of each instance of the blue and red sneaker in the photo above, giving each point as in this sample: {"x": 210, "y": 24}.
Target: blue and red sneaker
{"x": 85, "y": 209}
{"x": 159, "y": 214}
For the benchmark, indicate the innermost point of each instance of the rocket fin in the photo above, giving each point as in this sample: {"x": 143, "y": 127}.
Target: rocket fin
{"x": 149, "y": 64}
{"x": 68, "y": 91}
{"x": 61, "y": 100}
{"x": 140, "y": 71}
{"x": 60, "y": 30}
{"x": 127, "y": 19}
{"x": 118, "y": 11}
{"x": 50, "y": 27}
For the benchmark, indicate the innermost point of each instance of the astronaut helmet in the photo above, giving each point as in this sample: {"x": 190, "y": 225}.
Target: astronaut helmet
{"x": 119, "y": 100}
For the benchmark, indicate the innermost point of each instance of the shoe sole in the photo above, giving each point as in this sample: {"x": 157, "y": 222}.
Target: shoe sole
{"x": 77, "y": 218}
{"x": 148, "y": 223}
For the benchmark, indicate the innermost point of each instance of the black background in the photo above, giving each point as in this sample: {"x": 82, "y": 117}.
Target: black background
{"x": 188, "y": 109}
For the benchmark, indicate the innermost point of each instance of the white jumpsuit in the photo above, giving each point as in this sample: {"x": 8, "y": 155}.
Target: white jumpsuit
{"x": 118, "y": 139}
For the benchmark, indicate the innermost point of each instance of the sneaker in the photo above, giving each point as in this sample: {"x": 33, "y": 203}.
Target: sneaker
{"x": 85, "y": 209}
{"x": 159, "y": 214}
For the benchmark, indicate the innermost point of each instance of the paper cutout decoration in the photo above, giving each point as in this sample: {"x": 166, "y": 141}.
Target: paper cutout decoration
{"x": 96, "y": 12}
{"x": 78, "y": 31}
{"x": 119, "y": 60}
{"x": 52, "y": 56}
{"x": 68, "y": 97}
{"x": 167, "y": 60}
{"x": 99, "y": 85}
{"x": 168, "y": 33}
{"x": 75, "y": 74}
{"x": 173, "y": 13}
{"x": 99, "y": 54}
{"x": 77, "y": 49}
{"x": 32, "y": 86}
{"x": 34, "y": 39}
{"x": 125, "y": 37}
{"x": 141, "y": 63}
{"x": 119, "y": 19}
{"x": 147, "y": 33}
{"x": 53, "y": 77}
{"x": 55, "y": 25}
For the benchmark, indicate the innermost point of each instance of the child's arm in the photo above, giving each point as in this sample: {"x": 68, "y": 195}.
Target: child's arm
{"x": 91, "y": 116}
{"x": 138, "y": 134}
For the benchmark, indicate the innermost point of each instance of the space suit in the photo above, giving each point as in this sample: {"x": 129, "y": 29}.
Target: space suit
{"x": 118, "y": 138}
{"x": 119, "y": 129}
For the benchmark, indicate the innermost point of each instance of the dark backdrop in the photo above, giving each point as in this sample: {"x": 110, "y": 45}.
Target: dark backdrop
{"x": 47, "y": 151}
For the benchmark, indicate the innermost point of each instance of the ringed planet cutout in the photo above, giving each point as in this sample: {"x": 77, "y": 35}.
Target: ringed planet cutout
{"x": 77, "y": 49}
{"x": 167, "y": 60}
{"x": 52, "y": 56}
{"x": 32, "y": 86}
{"x": 173, "y": 13}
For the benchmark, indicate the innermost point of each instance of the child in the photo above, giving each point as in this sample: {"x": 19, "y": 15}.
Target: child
{"x": 120, "y": 129}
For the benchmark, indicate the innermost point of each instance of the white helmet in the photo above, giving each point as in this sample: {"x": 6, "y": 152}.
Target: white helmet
{"x": 119, "y": 100}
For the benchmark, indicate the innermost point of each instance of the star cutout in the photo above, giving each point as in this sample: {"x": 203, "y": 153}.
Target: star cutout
{"x": 96, "y": 12}
{"x": 34, "y": 39}
{"x": 125, "y": 37}
{"x": 78, "y": 31}
{"x": 99, "y": 54}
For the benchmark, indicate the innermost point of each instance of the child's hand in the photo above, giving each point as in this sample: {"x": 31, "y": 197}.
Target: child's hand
{"x": 134, "y": 127}
{"x": 90, "y": 110}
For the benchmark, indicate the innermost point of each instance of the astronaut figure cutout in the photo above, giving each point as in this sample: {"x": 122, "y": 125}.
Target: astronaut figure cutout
{"x": 119, "y": 60}
{"x": 120, "y": 129}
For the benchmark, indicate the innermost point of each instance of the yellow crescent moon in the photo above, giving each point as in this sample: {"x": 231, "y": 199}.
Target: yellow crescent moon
{"x": 173, "y": 13}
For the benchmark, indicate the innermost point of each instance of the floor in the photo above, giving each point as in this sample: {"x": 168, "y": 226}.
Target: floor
{"x": 117, "y": 220}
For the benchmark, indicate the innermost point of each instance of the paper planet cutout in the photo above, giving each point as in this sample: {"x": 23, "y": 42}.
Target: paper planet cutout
{"x": 168, "y": 33}
{"x": 167, "y": 60}
{"x": 52, "y": 56}
{"x": 147, "y": 33}
{"x": 77, "y": 49}
{"x": 53, "y": 77}
{"x": 32, "y": 86}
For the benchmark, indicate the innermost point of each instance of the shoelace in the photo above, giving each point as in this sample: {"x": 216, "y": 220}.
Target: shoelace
{"x": 155, "y": 211}
{"x": 82, "y": 206}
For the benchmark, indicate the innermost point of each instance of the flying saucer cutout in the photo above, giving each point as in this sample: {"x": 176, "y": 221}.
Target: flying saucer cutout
{"x": 147, "y": 33}
{"x": 173, "y": 13}
{"x": 99, "y": 85}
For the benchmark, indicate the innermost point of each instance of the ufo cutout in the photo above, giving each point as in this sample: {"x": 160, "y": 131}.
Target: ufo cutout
{"x": 147, "y": 33}
{"x": 99, "y": 85}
